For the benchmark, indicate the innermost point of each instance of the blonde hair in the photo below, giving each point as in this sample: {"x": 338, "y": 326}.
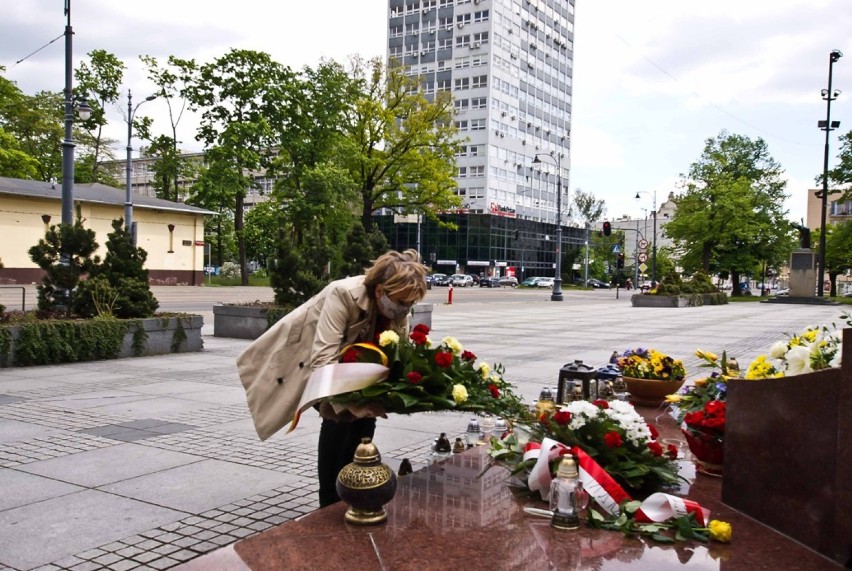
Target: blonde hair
{"x": 398, "y": 273}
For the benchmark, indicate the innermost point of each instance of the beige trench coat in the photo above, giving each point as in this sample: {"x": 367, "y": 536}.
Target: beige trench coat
{"x": 276, "y": 366}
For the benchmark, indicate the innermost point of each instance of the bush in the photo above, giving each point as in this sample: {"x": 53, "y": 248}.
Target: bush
{"x": 230, "y": 270}
{"x": 120, "y": 284}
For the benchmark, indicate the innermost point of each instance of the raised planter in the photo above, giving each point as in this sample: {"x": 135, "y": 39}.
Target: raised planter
{"x": 685, "y": 300}
{"x": 250, "y": 321}
{"x": 243, "y": 321}
{"x": 51, "y": 342}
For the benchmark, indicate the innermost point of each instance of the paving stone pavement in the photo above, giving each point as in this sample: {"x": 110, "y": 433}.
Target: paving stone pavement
{"x": 146, "y": 463}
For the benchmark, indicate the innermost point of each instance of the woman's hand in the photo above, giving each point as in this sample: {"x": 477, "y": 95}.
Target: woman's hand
{"x": 348, "y": 413}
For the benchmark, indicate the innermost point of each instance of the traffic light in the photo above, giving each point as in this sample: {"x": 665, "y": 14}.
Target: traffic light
{"x": 620, "y": 262}
{"x": 607, "y": 228}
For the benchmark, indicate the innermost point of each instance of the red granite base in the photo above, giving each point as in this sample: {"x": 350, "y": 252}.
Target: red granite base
{"x": 445, "y": 517}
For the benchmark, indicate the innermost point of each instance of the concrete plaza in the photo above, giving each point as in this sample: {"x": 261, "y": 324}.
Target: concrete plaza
{"x": 147, "y": 463}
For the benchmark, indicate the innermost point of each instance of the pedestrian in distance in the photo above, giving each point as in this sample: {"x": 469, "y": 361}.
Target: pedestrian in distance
{"x": 275, "y": 368}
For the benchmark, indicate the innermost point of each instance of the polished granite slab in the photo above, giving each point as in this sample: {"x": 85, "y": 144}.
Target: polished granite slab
{"x": 452, "y": 515}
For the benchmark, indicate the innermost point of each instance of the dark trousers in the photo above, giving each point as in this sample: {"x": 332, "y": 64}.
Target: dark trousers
{"x": 337, "y": 444}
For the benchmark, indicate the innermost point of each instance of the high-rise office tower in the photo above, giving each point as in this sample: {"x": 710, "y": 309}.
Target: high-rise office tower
{"x": 508, "y": 64}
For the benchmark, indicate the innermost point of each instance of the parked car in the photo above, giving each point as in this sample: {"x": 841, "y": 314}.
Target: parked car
{"x": 530, "y": 282}
{"x": 461, "y": 280}
{"x": 441, "y": 279}
{"x": 430, "y": 281}
{"x": 544, "y": 282}
{"x": 475, "y": 278}
{"x": 597, "y": 284}
{"x": 489, "y": 282}
{"x": 510, "y": 281}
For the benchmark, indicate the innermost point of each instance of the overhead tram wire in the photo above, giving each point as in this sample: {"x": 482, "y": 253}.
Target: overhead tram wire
{"x": 662, "y": 70}
{"x": 26, "y": 57}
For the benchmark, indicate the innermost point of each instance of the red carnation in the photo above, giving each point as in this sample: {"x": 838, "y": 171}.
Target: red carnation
{"x": 600, "y": 403}
{"x": 495, "y": 392}
{"x": 655, "y": 448}
{"x": 468, "y": 356}
{"x": 562, "y": 417}
{"x": 444, "y": 359}
{"x": 414, "y": 377}
{"x": 715, "y": 422}
{"x": 421, "y": 328}
{"x": 715, "y": 407}
{"x": 671, "y": 452}
{"x": 694, "y": 418}
{"x": 351, "y": 356}
{"x": 613, "y": 439}
{"x": 653, "y": 429}
{"x": 418, "y": 337}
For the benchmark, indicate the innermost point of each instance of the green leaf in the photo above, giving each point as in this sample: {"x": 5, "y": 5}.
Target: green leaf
{"x": 660, "y": 538}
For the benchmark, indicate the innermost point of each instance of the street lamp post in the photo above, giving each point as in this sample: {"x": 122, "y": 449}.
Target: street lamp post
{"x": 828, "y": 126}
{"x": 68, "y": 142}
{"x": 557, "y": 281}
{"x": 128, "y": 194}
{"x": 653, "y": 236}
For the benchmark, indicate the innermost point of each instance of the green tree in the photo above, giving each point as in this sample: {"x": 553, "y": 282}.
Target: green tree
{"x": 589, "y": 208}
{"x": 239, "y": 96}
{"x": 122, "y": 276}
{"x": 99, "y": 81}
{"x": 14, "y": 162}
{"x": 261, "y": 229}
{"x": 65, "y": 254}
{"x": 731, "y": 209}
{"x": 35, "y": 124}
{"x": 838, "y": 251}
{"x": 841, "y": 175}
{"x": 169, "y": 166}
{"x": 400, "y": 146}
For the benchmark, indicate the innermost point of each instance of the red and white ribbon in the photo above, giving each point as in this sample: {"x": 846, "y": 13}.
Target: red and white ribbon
{"x": 602, "y": 487}
{"x": 660, "y": 507}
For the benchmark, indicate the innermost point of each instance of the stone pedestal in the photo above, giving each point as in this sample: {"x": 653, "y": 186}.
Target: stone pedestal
{"x": 788, "y": 455}
{"x": 802, "y": 273}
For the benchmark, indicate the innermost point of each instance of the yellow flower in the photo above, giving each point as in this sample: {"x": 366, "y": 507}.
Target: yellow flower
{"x": 707, "y": 355}
{"x": 388, "y": 338}
{"x": 673, "y": 398}
{"x": 453, "y": 345}
{"x": 720, "y": 530}
{"x": 459, "y": 394}
{"x": 484, "y": 370}
{"x": 700, "y": 382}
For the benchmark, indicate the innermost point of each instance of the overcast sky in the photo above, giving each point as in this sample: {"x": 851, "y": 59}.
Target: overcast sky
{"x": 652, "y": 80}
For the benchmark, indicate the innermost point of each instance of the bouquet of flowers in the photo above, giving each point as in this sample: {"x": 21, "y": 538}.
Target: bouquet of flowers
{"x": 703, "y": 391}
{"x": 814, "y": 349}
{"x": 425, "y": 377}
{"x": 611, "y": 432}
{"x": 650, "y": 364}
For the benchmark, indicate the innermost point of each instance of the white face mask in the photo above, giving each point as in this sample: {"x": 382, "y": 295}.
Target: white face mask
{"x": 393, "y": 310}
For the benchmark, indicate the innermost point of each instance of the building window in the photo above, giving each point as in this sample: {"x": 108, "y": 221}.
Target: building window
{"x": 396, "y": 51}
{"x": 444, "y": 85}
{"x": 463, "y": 41}
{"x": 395, "y": 31}
{"x": 463, "y": 83}
{"x": 461, "y": 125}
{"x": 477, "y": 124}
{"x": 479, "y": 103}
{"x": 480, "y": 38}
{"x": 445, "y": 44}
{"x": 481, "y": 16}
{"x": 461, "y": 104}
{"x": 480, "y": 81}
{"x": 462, "y": 19}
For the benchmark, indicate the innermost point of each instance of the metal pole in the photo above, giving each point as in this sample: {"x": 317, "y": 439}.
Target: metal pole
{"x": 128, "y": 192}
{"x": 68, "y": 142}
{"x": 654, "y": 246}
{"x": 636, "y": 257}
{"x": 832, "y": 57}
{"x": 586, "y": 272}
{"x": 128, "y": 196}
{"x": 557, "y": 282}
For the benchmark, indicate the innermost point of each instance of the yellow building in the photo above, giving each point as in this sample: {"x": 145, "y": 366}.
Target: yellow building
{"x": 171, "y": 233}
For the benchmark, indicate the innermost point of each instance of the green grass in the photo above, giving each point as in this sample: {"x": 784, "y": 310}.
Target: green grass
{"x": 757, "y": 298}
{"x": 256, "y": 281}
